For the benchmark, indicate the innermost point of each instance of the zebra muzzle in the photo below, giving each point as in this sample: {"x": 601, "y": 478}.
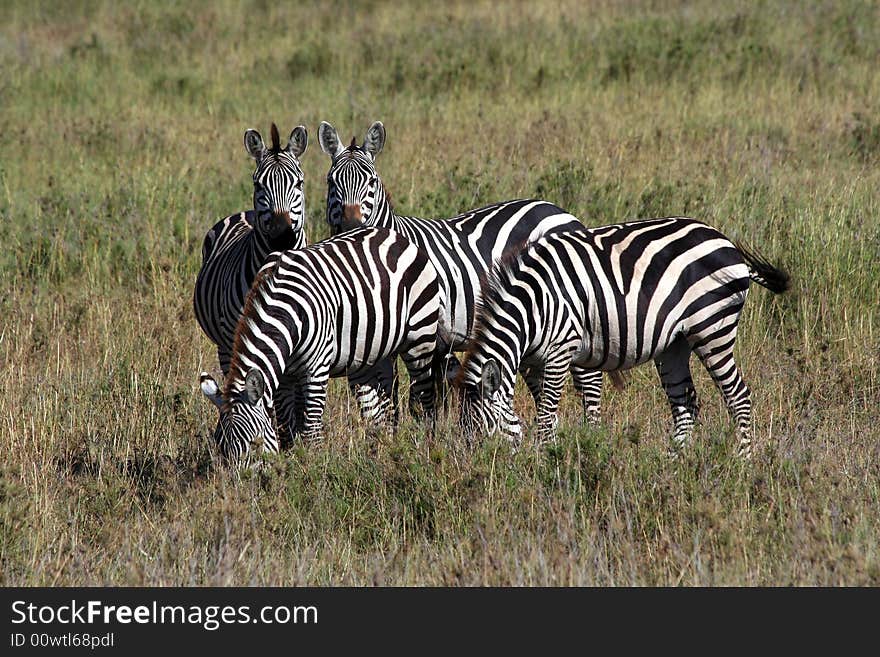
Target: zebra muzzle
{"x": 275, "y": 224}
{"x": 351, "y": 217}
{"x": 352, "y": 212}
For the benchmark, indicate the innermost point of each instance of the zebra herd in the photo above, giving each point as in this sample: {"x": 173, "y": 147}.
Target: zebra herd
{"x": 520, "y": 287}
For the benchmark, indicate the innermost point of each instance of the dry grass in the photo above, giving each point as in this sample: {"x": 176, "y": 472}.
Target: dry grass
{"x": 122, "y": 145}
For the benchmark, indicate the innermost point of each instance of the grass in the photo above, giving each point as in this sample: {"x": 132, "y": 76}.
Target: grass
{"x": 122, "y": 146}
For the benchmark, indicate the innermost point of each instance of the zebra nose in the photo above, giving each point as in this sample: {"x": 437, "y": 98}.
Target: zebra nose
{"x": 276, "y": 223}
{"x": 352, "y": 212}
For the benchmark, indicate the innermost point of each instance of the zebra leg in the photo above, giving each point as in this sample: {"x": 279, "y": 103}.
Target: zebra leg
{"x": 716, "y": 353}
{"x": 550, "y": 387}
{"x": 288, "y": 403}
{"x": 534, "y": 378}
{"x": 314, "y": 399}
{"x": 588, "y": 384}
{"x": 419, "y": 360}
{"x": 376, "y": 393}
{"x": 673, "y": 366}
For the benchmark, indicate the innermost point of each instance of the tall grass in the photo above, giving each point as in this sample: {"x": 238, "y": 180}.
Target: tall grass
{"x": 122, "y": 145}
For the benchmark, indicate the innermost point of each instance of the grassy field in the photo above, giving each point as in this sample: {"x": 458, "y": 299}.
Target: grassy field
{"x": 122, "y": 144}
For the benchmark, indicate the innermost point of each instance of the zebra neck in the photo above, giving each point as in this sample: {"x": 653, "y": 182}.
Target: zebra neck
{"x": 477, "y": 360}
{"x": 268, "y": 346}
{"x": 261, "y": 246}
{"x": 503, "y": 333}
{"x": 235, "y": 382}
{"x": 382, "y": 214}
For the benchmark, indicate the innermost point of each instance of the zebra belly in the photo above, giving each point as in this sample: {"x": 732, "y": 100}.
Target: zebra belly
{"x": 355, "y": 358}
{"x": 612, "y": 359}
{"x": 302, "y": 368}
{"x": 617, "y": 351}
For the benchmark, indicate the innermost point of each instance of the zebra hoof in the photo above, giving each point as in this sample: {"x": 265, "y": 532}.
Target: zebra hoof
{"x": 744, "y": 451}
{"x": 676, "y": 449}
{"x": 515, "y": 444}
{"x": 310, "y": 439}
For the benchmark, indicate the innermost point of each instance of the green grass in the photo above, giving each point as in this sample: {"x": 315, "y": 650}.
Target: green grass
{"x": 122, "y": 145}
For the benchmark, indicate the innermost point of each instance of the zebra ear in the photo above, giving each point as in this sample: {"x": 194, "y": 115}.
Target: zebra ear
{"x": 329, "y": 139}
{"x": 253, "y": 143}
{"x": 210, "y": 389}
{"x": 490, "y": 377}
{"x": 299, "y": 140}
{"x": 254, "y": 385}
{"x": 375, "y": 139}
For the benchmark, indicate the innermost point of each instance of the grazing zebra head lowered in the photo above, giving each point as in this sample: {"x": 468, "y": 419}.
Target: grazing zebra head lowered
{"x": 279, "y": 200}
{"x": 355, "y": 195}
{"x": 486, "y": 408}
{"x": 337, "y": 308}
{"x": 247, "y": 420}
{"x": 611, "y": 298}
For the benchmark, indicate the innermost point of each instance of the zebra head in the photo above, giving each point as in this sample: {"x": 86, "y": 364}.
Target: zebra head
{"x": 353, "y": 187}
{"x": 485, "y": 407}
{"x": 279, "y": 200}
{"x": 246, "y": 425}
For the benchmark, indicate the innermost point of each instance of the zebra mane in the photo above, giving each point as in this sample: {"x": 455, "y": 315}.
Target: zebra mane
{"x": 276, "y": 139}
{"x": 243, "y": 329}
{"x": 387, "y": 195}
{"x": 491, "y": 288}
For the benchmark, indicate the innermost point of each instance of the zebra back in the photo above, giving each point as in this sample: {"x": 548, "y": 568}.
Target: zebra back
{"x": 462, "y": 248}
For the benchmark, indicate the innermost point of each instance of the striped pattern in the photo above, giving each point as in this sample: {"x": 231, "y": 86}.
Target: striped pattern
{"x": 333, "y": 309}
{"x": 462, "y": 249}
{"x": 612, "y": 298}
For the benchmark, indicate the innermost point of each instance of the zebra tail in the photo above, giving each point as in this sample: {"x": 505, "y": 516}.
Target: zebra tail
{"x": 762, "y": 272}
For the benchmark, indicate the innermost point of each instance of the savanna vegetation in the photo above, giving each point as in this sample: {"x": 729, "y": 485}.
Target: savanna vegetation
{"x": 121, "y": 145}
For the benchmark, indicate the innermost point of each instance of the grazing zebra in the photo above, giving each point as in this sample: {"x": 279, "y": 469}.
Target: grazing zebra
{"x": 237, "y": 247}
{"x": 462, "y": 249}
{"x": 611, "y": 298}
{"x": 332, "y": 309}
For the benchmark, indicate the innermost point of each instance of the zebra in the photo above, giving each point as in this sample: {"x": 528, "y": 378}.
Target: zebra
{"x": 237, "y": 247}
{"x": 462, "y": 249}
{"x": 612, "y": 298}
{"x": 328, "y": 310}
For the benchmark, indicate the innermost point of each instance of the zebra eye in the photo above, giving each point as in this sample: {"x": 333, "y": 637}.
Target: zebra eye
{"x": 299, "y": 184}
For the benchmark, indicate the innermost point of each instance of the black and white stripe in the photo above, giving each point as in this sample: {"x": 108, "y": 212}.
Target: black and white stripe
{"x": 462, "y": 249}
{"x": 612, "y": 298}
{"x": 333, "y": 309}
{"x": 237, "y": 247}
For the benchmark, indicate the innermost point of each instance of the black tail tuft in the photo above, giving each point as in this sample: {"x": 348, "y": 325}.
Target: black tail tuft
{"x": 762, "y": 272}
